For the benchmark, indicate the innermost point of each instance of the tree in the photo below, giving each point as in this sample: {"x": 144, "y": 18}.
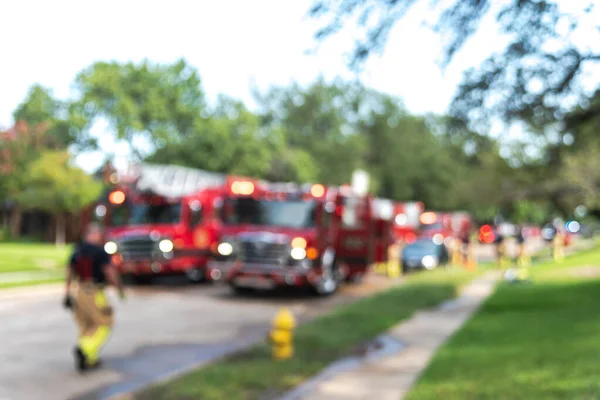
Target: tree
{"x": 537, "y": 78}
{"x": 317, "y": 123}
{"x": 18, "y": 148}
{"x": 582, "y": 171}
{"x": 55, "y": 186}
{"x": 40, "y": 110}
{"x": 159, "y": 103}
{"x": 227, "y": 140}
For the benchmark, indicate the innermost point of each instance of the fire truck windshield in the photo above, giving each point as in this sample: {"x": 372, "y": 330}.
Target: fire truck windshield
{"x": 144, "y": 214}
{"x": 286, "y": 213}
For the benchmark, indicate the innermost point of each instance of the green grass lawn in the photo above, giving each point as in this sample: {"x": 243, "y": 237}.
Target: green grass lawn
{"x": 18, "y": 257}
{"x": 252, "y": 374}
{"x": 24, "y": 264}
{"x": 538, "y": 341}
{"x": 33, "y": 282}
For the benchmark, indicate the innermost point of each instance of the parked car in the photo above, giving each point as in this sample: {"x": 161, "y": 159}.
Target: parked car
{"x": 424, "y": 254}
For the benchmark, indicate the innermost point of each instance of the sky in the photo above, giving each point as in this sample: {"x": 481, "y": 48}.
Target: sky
{"x": 234, "y": 44}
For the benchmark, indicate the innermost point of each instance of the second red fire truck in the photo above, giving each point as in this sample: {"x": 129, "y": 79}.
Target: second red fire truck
{"x": 278, "y": 235}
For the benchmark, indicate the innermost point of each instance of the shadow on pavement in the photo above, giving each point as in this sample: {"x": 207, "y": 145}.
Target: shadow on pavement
{"x": 149, "y": 364}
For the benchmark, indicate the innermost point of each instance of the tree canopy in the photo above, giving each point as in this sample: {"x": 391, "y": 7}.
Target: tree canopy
{"x": 159, "y": 103}
{"x": 315, "y": 133}
{"x": 53, "y": 184}
{"x": 538, "y": 77}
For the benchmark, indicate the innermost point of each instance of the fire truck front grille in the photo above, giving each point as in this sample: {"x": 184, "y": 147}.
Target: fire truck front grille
{"x": 264, "y": 253}
{"x": 137, "y": 249}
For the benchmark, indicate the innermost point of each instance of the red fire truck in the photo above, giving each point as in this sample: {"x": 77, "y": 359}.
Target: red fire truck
{"x": 158, "y": 220}
{"x": 443, "y": 227}
{"x": 283, "y": 235}
{"x": 407, "y": 222}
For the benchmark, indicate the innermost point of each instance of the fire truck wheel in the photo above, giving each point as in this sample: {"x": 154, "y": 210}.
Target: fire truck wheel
{"x": 195, "y": 275}
{"x": 329, "y": 282}
{"x": 355, "y": 279}
{"x": 142, "y": 279}
{"x": 241, "y": 290}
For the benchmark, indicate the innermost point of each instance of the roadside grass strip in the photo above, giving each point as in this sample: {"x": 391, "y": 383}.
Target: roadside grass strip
{"x": 252, "y": 374}
{"x": 530, "y": 341}
{"x": 24, "y": 264}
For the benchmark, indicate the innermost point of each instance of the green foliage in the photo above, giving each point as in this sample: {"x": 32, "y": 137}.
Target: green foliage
{"x": 542, "y": 47}
{"x": 21, "y": 257}
{"x": 318, "y": 133}
{"x": 317, "y": 120}
{"x": 16, "y": 155}
{"x": 582, "y": 170}
{"x": 345, "y": 126}
{"x": 530, "y": 212}
{"x": 161, "y": 103}
{"x": 42, "y": 112}
{"x": 55, "y": 186}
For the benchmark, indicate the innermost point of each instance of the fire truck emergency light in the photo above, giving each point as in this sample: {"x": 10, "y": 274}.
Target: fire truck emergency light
{"x": 299, "y": 242}
{"x": 428, "y": 218}
{"x": 242, "y": 188}
{"x": 312, "y": 253}
{"x": 117, "y": 197}
{"x": 486, "y": 234}
{"x": 317, "y": 190}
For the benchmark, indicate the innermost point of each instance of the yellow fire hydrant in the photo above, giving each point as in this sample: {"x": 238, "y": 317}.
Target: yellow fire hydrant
{"x": 393, "y": 264}
{"x": 281, "y": 335}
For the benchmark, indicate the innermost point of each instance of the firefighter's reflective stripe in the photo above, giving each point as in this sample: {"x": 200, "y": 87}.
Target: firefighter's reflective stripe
{"x": 94, "y": 318}
{"x": 91, "y": 345}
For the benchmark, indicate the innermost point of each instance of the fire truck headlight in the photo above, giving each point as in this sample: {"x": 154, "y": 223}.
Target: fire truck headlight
{"x": 298, "y": 253}
{"x": 225, "y": 249}
{"x": 110, "y": 248}
{"x": 401, "y": 219}
{"x": 166, "y": 246}
{"x": 429, "y": 262}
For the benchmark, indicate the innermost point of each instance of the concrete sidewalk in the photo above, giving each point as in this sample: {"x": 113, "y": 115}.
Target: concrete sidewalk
{"x": 392, "y": 376}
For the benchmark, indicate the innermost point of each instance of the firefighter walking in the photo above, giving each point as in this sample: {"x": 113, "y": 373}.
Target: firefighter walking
{"x": 91, "y": 269}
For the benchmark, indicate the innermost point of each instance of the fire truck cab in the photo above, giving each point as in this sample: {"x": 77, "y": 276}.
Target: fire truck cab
{"x": 284, "y": 235}
{"x": 158, "y": 221}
